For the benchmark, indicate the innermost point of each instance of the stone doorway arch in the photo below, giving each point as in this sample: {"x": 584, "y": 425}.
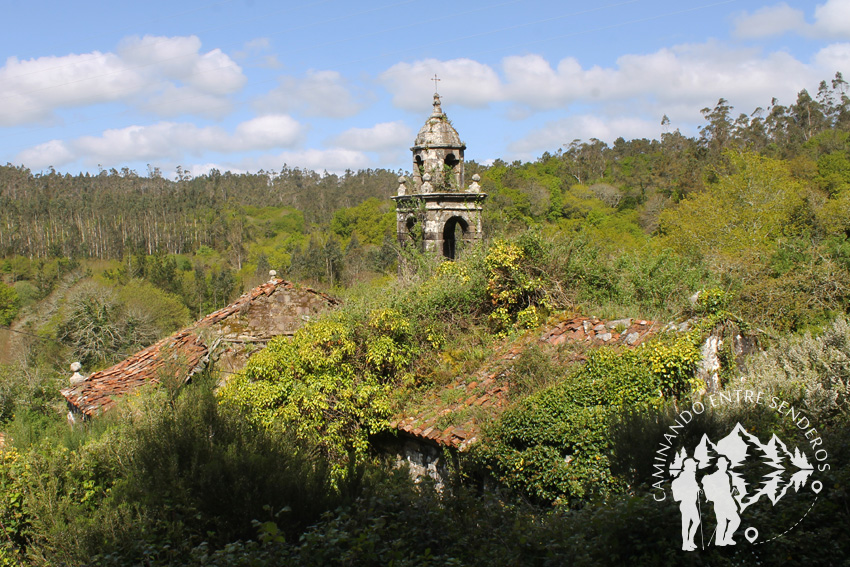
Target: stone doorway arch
{"x": 451, "y": 229}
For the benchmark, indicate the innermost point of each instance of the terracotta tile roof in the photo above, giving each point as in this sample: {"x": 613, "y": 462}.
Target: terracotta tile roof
{"x": 181, "y": 354}
{"x": 453, "y": 416}
{"x": 170, "y": 356}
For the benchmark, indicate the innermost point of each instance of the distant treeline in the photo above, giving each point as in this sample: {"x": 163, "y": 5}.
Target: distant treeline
{"x": 117, "y": 213}
{"x": 114, "y": 213}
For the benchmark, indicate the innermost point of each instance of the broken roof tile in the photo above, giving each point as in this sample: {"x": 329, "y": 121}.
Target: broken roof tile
{"x": 489, "y": 388}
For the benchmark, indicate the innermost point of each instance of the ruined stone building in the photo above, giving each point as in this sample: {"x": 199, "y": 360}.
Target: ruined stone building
{"x": 435, "y": 209}
{"x": 227, "y": 337}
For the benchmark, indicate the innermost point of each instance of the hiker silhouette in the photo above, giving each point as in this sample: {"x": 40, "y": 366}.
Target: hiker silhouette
{"x": 686, "y": 490}
{"x": 717, "y": 487}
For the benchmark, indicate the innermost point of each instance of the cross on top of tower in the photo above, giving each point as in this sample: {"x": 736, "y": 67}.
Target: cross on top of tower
{"x": 435, "y": 79}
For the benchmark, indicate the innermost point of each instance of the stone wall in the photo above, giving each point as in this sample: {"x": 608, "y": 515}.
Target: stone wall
{"x": 422, "y": 460}
{"x": 282, "y": 312}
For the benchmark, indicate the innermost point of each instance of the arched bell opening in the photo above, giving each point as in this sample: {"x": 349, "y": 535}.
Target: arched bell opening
{"x": 450, "y": 171}
{"x": 419, "y": 167}
{"x": 453, "y": 233}
{"x": 414, "y": 230}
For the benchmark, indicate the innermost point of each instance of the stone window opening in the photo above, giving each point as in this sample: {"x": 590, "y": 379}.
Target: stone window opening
{"x": 450, "y": 163}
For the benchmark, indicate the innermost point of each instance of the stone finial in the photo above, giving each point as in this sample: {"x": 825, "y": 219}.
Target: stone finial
{"x": 402, "y": 187}
{"x": 474, "y": 187}
{"x": 272, "y": 276}
{"x": 76, "y": 377}
{"x": 426, "y": 183}
{"x": 438, "y": 110}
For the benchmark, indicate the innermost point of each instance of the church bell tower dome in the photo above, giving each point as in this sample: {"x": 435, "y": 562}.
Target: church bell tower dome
{"x": 438, "y": 152}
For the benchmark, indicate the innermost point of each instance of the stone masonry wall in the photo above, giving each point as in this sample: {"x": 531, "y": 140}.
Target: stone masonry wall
{"x": 282, "y": 312}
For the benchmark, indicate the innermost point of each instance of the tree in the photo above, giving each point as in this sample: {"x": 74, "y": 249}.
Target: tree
{"x": 739, "y": 217}
{"x": 586, "y": 161}
{"x": 99, "y": 328}
{"x": 715, "y": 135}
{"x": 332, "y": 382}
{"x": 9, "y": 304}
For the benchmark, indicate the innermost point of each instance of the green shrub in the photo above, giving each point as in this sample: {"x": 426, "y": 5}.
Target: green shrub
{"x": 332, "y": 383}
{"x": 810, "y": 370}
{"x": 99, "y": 328}
{"x": 161, "y": 309}
{"x": 159, "y": 479}
{"x": 516, "y": 287}
{"x": 554, "y": 446}
{"x": 9, "y": 304}
{"x": 27, "y": 293}
{"x": 803, "y": 298}
{"x": 24, "y": 389}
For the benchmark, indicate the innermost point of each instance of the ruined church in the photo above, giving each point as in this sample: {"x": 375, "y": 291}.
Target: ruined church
{"x": 435, "y": 210}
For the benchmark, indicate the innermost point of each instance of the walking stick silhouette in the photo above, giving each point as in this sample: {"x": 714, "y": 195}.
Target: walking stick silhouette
{"x": 699, "y": 508}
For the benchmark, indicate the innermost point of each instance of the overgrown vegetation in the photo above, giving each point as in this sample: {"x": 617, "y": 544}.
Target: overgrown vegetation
{"x": 277, "y": 466}
{"x": 553, "y": 446}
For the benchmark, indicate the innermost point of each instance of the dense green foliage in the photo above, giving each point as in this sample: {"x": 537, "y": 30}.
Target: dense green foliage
{"x": 278, "y": 466}
{"x": 117, "y": 213}
{"x": 9, "y": 304}
{"x": 331, "y": 383}
{"x": 160, "y": 478}
{"x": 553, "y": 446}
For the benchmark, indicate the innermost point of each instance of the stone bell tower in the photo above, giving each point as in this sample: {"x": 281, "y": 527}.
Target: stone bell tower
{"x": 434, "y": 209}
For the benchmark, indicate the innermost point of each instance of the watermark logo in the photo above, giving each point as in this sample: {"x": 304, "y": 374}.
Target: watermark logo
{"x": 723, "y": 478}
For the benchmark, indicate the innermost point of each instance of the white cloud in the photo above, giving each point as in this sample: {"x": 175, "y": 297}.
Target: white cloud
{"x": 258, "y": 44}
{"x": 386, "y": 136}
{"x": 172, "y": 101}
{"x": 835, "y": 57}
{"x": 270, "y": 131}
{"x": 320, "y": 93}
{"x": 831, "y": 19}
{"x": 270, "y": 62}
{"x": 180, "y": 59}
{"x": 144, "y": 70}
{"x": 560, "y": 133}
{"x": 31, "y": 89}
{"x": 769, "y": 21}
{"x": 54, "y": 152}
{"x": 165, "y": 140}
{"x": 462, "y": 81}
{"x": 197, "y": 169}
{"x": 137, "y": 143}
{"x": 694, "y": 75}
{"x": 334, "y": 160}
{"x": 532, "y": 81}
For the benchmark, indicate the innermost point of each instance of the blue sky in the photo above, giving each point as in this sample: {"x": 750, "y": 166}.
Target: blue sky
{"x": 244, "y": 85}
